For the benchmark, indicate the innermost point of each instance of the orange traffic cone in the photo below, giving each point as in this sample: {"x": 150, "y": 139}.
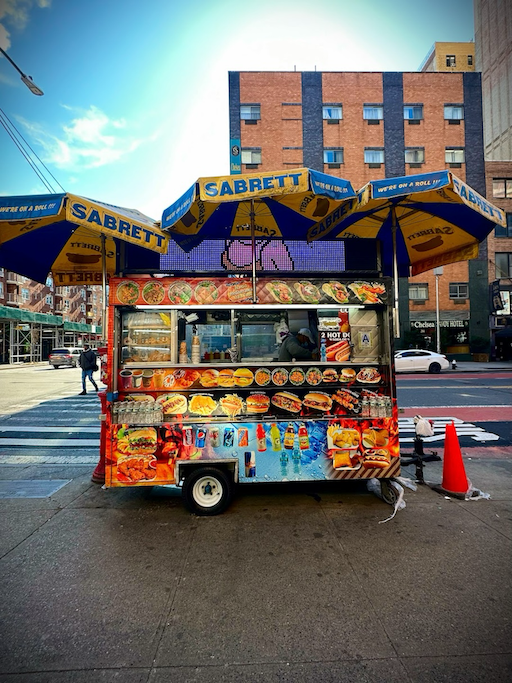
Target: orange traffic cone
{"x": 455, "y": 483}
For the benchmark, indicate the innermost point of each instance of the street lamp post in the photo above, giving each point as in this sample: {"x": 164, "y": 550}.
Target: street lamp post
{"x": 26, "y": 79}
{"x": 438, "y": 272}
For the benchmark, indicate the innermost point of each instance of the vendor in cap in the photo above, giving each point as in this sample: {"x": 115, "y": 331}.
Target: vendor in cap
{"x": 296, "y": 346}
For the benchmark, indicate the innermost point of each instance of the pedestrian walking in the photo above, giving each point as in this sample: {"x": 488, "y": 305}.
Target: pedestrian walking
{"x": 89, "y": 364}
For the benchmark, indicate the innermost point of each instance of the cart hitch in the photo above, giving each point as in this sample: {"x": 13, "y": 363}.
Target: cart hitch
{"x": 419, "y": 459}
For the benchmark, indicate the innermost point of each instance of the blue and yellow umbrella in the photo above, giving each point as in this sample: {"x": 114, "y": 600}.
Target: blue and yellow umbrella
{"x": 422, "y": 221}
{"x": 74, "y": 238}
{"x": 273, "y": 205}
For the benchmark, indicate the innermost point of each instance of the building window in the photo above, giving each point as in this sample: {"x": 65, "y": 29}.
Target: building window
{"x": 413, "y": 112}
{"x": 453, "y": 112}
{"x": 49, "y": 299}
{"x": 82, "y": 308}
{"x": 333, "y": 156}
{"x": 332, "y": 112}
{"x": 454, "y": 155}
{"x": 459, "y": 290}
{"x": 1, "y": 272}
{"x": 503, "y": 264}
{"x": 502, "y": 188}
{"x": 49, "y": 282}
{"x": 373, "y": 155}
{"x": 250, "y": 112}
{"x": 251, "y": 156}
{"x": 450, "y": 60}
{"x": 373, "y": 112}
{"x": 66, "y": 304}
{"x": 470, "y": 60}
{"x": 24, "y": 294}
{"x": 1, "y": 289}
{"x": 418, "y": 292}
{"x": 414, "y": 155}
{"x": 500, "y": 231}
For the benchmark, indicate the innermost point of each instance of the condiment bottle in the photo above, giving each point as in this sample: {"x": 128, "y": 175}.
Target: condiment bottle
{"x": 289, "y": 436}
{"x": 303, "y": 437}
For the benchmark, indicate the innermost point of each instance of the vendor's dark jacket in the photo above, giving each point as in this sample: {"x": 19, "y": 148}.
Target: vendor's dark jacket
{"x": 87, "y": 360}
{"x": 290, "y": 348}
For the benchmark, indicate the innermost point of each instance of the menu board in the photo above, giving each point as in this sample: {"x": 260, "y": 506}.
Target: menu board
{"x": 256, "y": 391}
{"x": 215, "y": 291}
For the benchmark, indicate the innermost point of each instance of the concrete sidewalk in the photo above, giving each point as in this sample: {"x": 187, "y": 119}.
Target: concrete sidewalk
{"x": 293, "y": 583}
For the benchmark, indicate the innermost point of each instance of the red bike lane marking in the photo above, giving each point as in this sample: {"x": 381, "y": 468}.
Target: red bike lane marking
{"x": 465, "y": 413}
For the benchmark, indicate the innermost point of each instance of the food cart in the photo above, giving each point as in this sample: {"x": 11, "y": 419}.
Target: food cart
{"x": 198, "y": 398}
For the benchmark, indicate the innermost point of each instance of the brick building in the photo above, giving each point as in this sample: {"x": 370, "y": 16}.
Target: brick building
{"x": 34, "y": 317}
{"x": 365, "y": 126}
{"x": 493, "y": 55}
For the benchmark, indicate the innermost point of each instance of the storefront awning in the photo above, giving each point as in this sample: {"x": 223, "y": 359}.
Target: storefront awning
{"x": 8, "y": 313}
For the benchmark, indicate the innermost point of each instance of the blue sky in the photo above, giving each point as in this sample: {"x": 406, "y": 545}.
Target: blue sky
{"x": 135, "y": 103}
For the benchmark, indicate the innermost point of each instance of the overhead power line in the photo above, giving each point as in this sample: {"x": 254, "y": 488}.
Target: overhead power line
{"x": 31, "y": 157}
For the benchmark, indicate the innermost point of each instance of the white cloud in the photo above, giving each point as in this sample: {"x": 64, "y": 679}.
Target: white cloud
{"x": 16, "y": 14}
{"x": 89, "y": 140}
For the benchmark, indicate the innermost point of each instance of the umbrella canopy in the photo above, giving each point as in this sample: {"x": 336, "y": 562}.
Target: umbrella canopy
{"x": 423, "y": 221}
{"x": 273, "y": 205}
{"x": 72, "y": 237}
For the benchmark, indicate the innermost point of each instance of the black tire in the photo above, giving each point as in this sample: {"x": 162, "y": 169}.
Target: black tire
{"x": 434, "y": 368}
{"x": 389, "y": 493}
{"x": 56, "y": 367}
{"x": 207, "y": 491}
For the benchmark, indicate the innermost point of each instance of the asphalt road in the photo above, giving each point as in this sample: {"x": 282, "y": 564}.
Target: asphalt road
{"x": 43, "y": 419}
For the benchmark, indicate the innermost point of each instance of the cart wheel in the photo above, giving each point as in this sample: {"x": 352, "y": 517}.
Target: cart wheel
{"x": 389, "y": 493}
{"x": 207, "y": 491}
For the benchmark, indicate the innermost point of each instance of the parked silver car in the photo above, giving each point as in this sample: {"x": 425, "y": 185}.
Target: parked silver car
{"x": 419, "y": 360}
{"x": 64, "y": 357}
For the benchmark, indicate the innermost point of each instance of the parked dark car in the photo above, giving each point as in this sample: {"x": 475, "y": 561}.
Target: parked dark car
{"x": 64, "y": 357}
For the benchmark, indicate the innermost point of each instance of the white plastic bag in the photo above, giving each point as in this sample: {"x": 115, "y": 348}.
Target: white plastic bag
{"x": 423, "y": 426}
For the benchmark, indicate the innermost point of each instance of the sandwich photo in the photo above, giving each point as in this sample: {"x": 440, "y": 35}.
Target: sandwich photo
{"x": 257, "y": 403}
{"x": 376, "y": 458}
{"x": 226, "y": 378}
{"x": 308, "y": 291}
{"x": 347, "y": 375}
{"x": 173, "y": 404}
{"x": 209, "y": 378}
{"x": 141, "y": 441}
{"x": 369, "y": 376}
{"x": 280, "y": 291}
{"x": 339, "y": 351}
{"x": 243, "y": 377}
{"x": 316, "y": 400}
{"x": 336, "y": 290}
{"x": 330, "y": 375}
{"x": 287, "y": 401}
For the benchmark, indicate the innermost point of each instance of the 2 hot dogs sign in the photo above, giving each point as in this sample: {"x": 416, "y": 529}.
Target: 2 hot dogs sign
{"x": 214, "y": 291}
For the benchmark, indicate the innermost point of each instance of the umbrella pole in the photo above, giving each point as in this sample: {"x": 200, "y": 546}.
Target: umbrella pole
{"x": 104, "y": 288}
{"x": 396, "y": 317}
{"x": 253, "y": 246}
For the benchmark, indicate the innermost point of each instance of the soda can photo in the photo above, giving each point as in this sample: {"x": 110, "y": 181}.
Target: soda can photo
{"x": 250, "y": 463}
{"x": 229, "y": 437}
{"x": 188, "y": 436}
{"x": 200, "y": 438}
{"x": 243, "y": 437}
{"x": 214, "y": 433}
